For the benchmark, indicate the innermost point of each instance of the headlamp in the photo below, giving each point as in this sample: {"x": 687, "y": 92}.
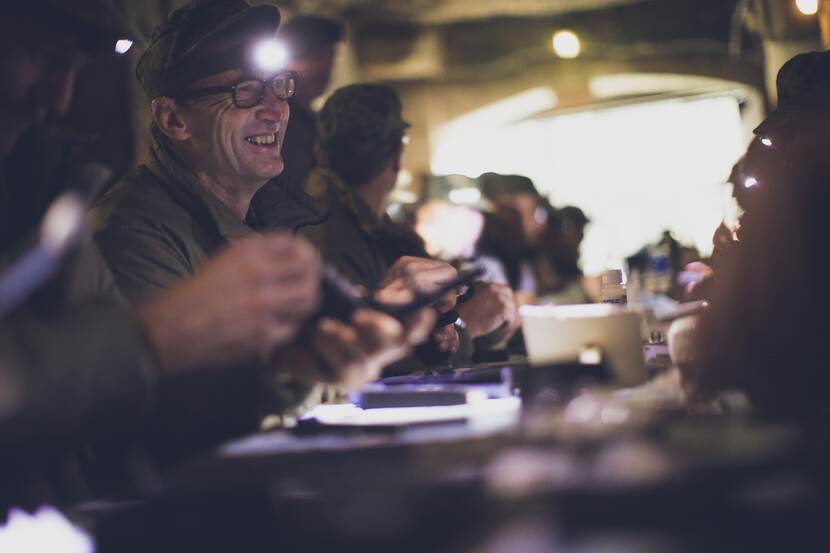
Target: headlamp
{"x": 750, "y": 182}
{"x": 122, "y": 46}
{"x": 269, "y": 55}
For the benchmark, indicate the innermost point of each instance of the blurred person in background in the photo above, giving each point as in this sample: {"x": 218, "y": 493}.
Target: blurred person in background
{"x": 514, "y": 229}
{"x": 537, "y": 244}
{"x": 765, "y": 333}
{"x": 796, "y": 83}
{"x": 361, "y": 137}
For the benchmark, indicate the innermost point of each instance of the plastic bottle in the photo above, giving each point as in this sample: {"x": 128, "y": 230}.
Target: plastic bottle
{"x": 658, "y": 278}
{"x": 613, "y": 289}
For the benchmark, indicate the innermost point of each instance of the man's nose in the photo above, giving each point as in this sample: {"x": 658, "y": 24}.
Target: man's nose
{"x": 272, "y": 108}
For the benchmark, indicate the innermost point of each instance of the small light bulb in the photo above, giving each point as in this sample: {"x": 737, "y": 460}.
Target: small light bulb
{"x": 566, "y": 44}
{"x": 123, "y": 46}
{"x": 807, "y": 7}
{"x": 749, "y": 182}
{"x": 270, "y": 55}
{"x": 766, "y": 142}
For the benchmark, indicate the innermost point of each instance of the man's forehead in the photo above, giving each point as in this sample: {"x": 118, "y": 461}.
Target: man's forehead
{"x": 220, "y": 79}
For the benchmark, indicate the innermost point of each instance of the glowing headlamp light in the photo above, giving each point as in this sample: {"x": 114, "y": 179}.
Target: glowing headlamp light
{"x": 123, "y": 46}
{"x": 750, "y": 182}
{"x": 270, "y": 55}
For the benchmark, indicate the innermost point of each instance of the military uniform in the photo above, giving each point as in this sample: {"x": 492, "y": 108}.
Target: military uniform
{"x": 158, "y": 226}
{"x": 352, "y": 238}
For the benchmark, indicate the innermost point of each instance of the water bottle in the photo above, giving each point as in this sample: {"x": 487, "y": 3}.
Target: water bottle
{"x": 613, "y": 289}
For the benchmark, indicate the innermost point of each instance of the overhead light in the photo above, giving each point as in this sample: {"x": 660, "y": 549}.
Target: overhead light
{"x": 123, "y": 46}
{"x": 750, "y": 182}
{"x": 766, "y": 141}
{"x": 270, "y": 55}
{"x": 807, "y": 7}
{"x": 566, "y": 44}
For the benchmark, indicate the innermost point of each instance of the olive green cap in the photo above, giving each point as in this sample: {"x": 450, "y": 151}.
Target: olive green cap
{"x": 803, "y": 86}
{"x": 361, "y": 117}
{"x": 202, "y": 38}
{"x": 493, "y": 184}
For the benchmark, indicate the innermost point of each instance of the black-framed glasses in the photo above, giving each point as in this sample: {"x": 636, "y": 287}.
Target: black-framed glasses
{"x": 248, "y": 93}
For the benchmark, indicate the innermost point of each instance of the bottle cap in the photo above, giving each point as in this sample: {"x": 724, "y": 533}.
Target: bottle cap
{"x": 612, "y": 277}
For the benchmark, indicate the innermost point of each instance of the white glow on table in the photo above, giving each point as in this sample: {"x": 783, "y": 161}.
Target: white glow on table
{"x": 47, "y": 530}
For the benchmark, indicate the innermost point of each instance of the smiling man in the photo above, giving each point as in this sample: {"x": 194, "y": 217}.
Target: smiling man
{"x": 218, "y": 99}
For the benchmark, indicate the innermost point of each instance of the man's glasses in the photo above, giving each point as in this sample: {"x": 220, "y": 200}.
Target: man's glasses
{"x": 250, "y": 92}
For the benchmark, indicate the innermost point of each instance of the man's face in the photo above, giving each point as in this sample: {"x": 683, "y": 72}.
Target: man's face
{"x": 239, "y": 145}
{"x": 37, "y": 76}
{"x": 526, "y": 207}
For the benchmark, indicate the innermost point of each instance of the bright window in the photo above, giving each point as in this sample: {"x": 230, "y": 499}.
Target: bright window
{"x": 635, "y": 170}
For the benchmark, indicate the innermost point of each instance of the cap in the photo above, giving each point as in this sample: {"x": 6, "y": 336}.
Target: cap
{"x": 493, "y": 184}
{"x": 98, "y": 24}
{"x": 306, "y": 33}
{"x": 573, "y": 215}
{"x": 361, "y": 116}
{"x": 200, "y": 39}
{"x": 803, "y": 85}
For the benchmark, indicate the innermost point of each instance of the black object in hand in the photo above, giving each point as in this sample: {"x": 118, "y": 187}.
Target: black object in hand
{"x": 341, "y": 297}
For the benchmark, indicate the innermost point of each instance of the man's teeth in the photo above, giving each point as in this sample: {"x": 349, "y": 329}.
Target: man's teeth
{"x": 262, "y": 139}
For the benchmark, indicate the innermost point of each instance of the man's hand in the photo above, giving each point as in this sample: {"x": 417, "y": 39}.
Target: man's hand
{"x": 249, "y": 300}
{"x": 491, "y": 312}
{"x": 351, "y": 355}
{"x": 421, "y": 275}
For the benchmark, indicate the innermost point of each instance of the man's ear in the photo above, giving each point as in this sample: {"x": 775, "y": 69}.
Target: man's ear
{"x": 167, "y": 117}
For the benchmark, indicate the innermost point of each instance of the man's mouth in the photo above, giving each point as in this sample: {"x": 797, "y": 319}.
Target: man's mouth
{"x": 263, "y": 140}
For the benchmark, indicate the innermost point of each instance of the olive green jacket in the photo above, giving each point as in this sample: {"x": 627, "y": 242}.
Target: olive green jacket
{"x": 157, "y": 226}
{"x": 362, "y": 246}
{"x": 352, "y": 238}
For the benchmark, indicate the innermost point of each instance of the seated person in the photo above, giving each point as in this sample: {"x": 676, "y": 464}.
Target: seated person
{"x": 77, "y": 364}
{"x": 360, "y": 147}
{"x": 765, "y": 332}
{"x": 218, "y": 124}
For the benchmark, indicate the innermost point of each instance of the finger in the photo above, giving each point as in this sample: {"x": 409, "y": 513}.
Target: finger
{"x": 377, "y": 331}
{"x": 337, "y": 344}
{"x": 395, "y": 293}
{"x": 419, "y": 326}
{"x": 296, "y": 300}
{"x": 446, "y": 302}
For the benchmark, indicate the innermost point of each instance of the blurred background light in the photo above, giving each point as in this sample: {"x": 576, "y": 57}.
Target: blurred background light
{"x": 123, "y": 46}
{"x": 566, "y": 44}
{"x": 807, "y": 7}
{"x": 636, "y": 169}
{"x": 465, "y": 195}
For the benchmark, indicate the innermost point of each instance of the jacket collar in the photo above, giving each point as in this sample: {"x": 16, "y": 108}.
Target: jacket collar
{"x": 181, "y": 183}
{"x": 326, "y": 187}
